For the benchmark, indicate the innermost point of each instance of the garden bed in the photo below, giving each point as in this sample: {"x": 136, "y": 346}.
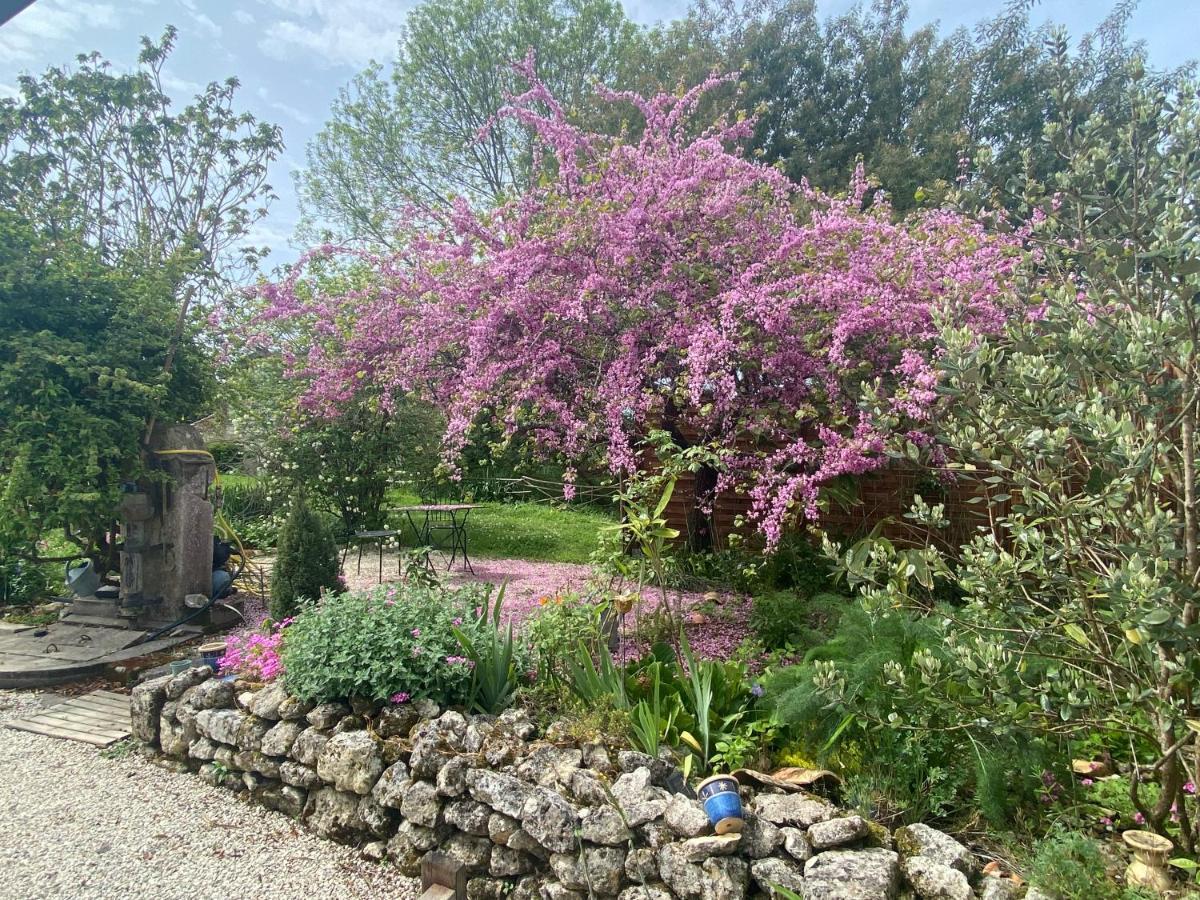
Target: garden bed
{"x": 527, "y": 812}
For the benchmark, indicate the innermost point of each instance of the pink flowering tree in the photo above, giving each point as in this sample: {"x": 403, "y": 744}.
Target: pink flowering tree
{"x": 663, "y": 280}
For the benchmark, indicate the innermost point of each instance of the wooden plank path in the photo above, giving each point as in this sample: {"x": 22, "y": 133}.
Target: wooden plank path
{"x": 100, "y": 718}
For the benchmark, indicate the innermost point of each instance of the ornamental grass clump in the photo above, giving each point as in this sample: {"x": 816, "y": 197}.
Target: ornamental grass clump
{"x": 396, "y": 640}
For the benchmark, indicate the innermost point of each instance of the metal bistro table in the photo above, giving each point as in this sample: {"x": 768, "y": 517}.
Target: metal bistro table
{"x": 437, "y": 519}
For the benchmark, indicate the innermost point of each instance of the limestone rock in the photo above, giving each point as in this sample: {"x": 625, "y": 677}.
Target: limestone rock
{"x": 396, "y": 721}
{"x": 421, "y": 837}
{"x": 214, "y": 693}
{"x": 872, "y": 874}
{"x": 265, "y": 703}
{"x": 470, "y": 816}
{"x": 430, "y": 751}
{"x": 452, "y": 777}
{"x": 933, "y": 880}
{"x": 716, "y": 878}
{"x": 921, "y": 840}
{"x": 351, "y": 761}
{"x": 503, "y": 793}
{"x": 177, "y": 684}
{"x": 836, "y": 832}
{"x": 404, "y": 855}
{"x": 772, "y": 873}
{"x": 760, "y": 838}
{"x": 550, "y": 766}
{"x": 473, "y": 852}
{"x": 374, "y": 851}
{"x": 202, "y": 748}
{"x": 550, "y": 820}
{"x": 145, "y": 707}
{"x": 585, "y": 787}
{"x": 641, "y": 865}
{"x": 421, "y": 804}
{"x": 221, "y": 725}
{"x": 603, "y": 825}
{"x": 298, "y": 775}
{"x": 308, "y": 746}
{"x": 639, "y": 800}
{"x": 389, "y": 790}
{"x": 792, "y": 809}
{"x": 293, "y": 708}
{"x": 552, "y": 890}
{"x": 686, "y": 817}
{"x": 604, "y": 867}
{"x": 645, "y": 892}
{"x": 334, "y": 814}
{"x": 426, "y": 708}
{"x": 376, "y": 819}
{"x": 795, "y": 843}
{"x": 279, "y": 740}
{"x": 250, "y": 735}
{"x": 506, "y": 862}
{"x": 487, "y": 889}
{"x": 698, "y": 849}
{"x": 326, "y": 715}
{"x": 1000, "y": 889}
{"x": 501, "y": 828}
{"x": 517, "y": 721}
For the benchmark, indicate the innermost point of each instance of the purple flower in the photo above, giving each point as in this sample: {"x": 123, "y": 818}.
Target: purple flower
{"x": 1139, "y": 818}
{"x": 1189, "y": 787}
{"x": 757, "y": 689}
{"x": 416, "y": 632}
{"x": 1087, "y": 782}
{"x": 398, "y": 698}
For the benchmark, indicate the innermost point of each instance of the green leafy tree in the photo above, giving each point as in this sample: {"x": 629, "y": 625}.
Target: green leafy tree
{"x": 101, "y": 157}
{"x": 82, "y": 346}
{"x": 412, "y": 137}
{"x": 306, "y": 563}
{"x": 1079, "y": 610}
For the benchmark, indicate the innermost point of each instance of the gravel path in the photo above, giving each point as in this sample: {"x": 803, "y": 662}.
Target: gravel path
{"x": 76, "y": 824}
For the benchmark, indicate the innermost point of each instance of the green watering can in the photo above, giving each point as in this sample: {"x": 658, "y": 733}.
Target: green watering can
{"x": 83, "y": 580}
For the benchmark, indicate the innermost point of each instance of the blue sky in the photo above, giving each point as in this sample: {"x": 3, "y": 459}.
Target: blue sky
{"x": 292, "y": 55}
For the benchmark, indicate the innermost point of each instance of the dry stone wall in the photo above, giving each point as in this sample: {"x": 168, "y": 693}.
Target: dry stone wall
{"x": 525, "y": 815}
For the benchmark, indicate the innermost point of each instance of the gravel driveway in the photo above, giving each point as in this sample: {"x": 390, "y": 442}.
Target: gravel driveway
{"x": 76, "y": 824}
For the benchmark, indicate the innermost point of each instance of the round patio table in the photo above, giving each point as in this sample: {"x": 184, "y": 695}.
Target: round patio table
{"x": 429, "y": 521}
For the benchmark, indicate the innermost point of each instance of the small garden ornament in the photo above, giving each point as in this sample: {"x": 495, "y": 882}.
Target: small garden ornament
{"x": 1149, "y": 865}
{"x": 722, "y": 803}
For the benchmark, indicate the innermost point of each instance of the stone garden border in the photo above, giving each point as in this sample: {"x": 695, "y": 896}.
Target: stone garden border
{"x": 528, "y": 817}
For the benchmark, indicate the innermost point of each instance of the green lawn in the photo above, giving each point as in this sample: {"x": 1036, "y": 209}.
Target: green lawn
{"x": 533, "y": 531}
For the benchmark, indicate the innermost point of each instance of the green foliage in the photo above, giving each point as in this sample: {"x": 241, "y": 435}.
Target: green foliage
{"x": 782, "y": 619}
{"x": 904, "y": 756}
{"x": 494, "y": 676}
{"x": 410, "y": 137}
{"x": 1078, "y": 610}
{"x": 306, "y": 563}
{"x": 347, "y": 466}
{"x": 558, "y": 627}
{"x": 102, "y": 157}
{"x": 22, "y": 582}
{"x": 1072, "y": 866}
{"x": 83, "y": 347}
{"x": 396, "y": 639}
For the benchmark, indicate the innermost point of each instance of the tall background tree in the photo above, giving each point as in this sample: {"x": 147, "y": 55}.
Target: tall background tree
{"x": 411, "y": 135}
{"x": 123, "y": 218}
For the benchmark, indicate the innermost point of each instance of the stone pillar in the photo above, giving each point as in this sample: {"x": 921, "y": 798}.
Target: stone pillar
{"x": 168, "y": 528}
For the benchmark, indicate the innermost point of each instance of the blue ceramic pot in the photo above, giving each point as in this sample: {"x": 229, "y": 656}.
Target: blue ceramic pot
{"x": 722, "y": 803}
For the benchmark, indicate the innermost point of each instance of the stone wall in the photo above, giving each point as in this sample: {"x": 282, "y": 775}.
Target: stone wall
{"x": 528, "y": 815}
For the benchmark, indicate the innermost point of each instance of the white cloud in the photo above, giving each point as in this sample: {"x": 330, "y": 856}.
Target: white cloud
{"x": 205, "y": 24}
{"x": 24, "y": 36}
{"x": 181, "y": 86}
{"x": 337, "y": 32}
{"x": 287, "y": 109}
{"x": 243, "y": 18}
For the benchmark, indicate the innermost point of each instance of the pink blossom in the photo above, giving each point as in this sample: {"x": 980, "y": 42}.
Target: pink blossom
{"x": 399, "y": 698}
{"x": 1139, "y": 818}
{"x": 1087, "y": 782}
{"x": 1189, "y": 787}
{"x": 662, "y": 275}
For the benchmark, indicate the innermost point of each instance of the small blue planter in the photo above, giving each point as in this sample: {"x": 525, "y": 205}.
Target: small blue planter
{"x": 722, "y": 803}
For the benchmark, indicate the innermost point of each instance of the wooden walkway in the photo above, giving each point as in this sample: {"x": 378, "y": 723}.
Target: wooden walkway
{"x": 100, "y": 718}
